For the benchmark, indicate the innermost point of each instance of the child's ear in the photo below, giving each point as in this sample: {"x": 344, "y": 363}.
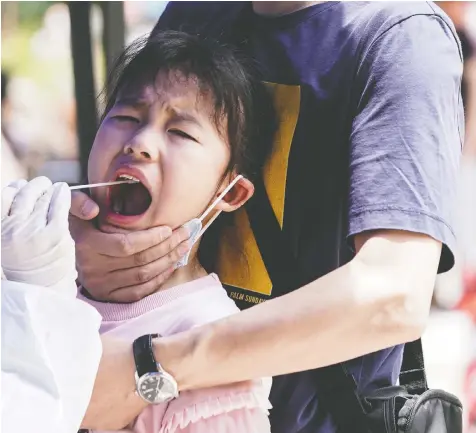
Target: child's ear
{"x": 241, "y": 192}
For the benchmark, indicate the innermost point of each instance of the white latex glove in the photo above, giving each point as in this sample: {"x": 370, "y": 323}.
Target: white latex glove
{"x": 37, "y": 247}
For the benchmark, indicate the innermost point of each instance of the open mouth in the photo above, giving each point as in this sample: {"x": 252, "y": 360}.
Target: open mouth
{"x": 129, "y": 199}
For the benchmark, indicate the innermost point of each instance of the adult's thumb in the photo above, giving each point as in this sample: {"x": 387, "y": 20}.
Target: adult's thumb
{"x": 82, "y": 206}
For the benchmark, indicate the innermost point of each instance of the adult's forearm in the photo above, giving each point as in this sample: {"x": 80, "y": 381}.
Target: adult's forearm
{"x": 380, "y": 299}
{"x": 114, "y": 403}
{"x": 345, "y": 314}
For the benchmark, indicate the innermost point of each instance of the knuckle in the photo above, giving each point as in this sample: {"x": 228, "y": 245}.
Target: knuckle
{"x": 135, "y": 295}
{"x": 125, "y": 244}
{"x": 143, "y": 274}
{"x": 150, "y": 287}
{"x": 171, "y": 257}
{"x": 140, "y": 258}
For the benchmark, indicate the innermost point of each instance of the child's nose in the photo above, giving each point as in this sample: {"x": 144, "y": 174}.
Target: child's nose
{"x": 142, "y": 149}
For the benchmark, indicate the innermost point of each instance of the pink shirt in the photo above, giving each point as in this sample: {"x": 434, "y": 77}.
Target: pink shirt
{"x": 238, "y": 408}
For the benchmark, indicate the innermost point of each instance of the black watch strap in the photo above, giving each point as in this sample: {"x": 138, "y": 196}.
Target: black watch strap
{"x": 144, "y": 355}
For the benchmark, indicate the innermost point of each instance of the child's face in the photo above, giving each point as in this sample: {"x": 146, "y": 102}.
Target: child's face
{"x": 165, "y": 136}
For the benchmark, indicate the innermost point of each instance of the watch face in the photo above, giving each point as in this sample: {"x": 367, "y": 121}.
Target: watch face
{"x": 148, "y": 387}
{"x": 156, "y": 388}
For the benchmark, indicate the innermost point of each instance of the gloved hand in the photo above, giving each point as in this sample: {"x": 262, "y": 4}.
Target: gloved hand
{"x": 37, "y": 247}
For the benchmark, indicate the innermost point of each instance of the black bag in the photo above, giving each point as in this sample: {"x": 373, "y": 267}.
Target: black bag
{"x": 409, "y": 407}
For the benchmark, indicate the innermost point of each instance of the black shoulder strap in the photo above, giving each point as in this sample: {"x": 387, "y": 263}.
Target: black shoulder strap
{"x": 339, "y": 387}
{"x": 412, "y": 373}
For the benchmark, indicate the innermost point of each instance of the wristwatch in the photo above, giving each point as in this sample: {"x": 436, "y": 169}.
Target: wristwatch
{"x": 153, "y": 383}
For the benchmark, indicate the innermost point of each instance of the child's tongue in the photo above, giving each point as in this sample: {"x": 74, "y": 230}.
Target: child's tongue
{"x": 130, "y": 199}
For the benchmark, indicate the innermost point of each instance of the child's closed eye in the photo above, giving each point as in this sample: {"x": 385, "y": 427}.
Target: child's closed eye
{"x": 182, "y": 134}
{"x": 122, "y": 118}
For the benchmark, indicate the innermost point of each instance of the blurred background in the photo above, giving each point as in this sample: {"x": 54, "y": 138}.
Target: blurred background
{"x": 55, "y": 58}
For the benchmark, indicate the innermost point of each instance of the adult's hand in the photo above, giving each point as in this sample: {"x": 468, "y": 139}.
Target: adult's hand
{"x": 36, "y": 244}
{"x": 122, "y": 267}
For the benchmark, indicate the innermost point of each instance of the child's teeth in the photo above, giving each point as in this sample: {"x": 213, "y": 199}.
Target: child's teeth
{"x": 127, "y": 177}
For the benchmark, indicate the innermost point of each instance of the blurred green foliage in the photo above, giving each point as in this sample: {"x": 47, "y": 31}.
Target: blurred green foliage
{"x": 30, "y": 13}
{"x": 20, "y": 21}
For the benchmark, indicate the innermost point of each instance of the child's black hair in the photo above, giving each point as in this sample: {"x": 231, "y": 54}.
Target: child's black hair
{"x": 239, "y": 97}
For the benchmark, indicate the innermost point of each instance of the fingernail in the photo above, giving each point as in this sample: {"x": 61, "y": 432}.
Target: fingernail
{"x": 88, "y": 208}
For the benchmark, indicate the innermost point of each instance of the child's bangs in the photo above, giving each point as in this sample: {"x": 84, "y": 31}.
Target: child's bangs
{"x": 181, "y": 60}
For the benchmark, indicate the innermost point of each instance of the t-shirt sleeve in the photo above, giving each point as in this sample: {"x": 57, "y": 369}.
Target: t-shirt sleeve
{"x": 407, "y": 133}
{"x": 176, "y": 16}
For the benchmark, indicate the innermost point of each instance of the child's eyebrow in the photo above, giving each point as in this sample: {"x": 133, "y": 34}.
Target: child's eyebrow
{"x": 132, "y": 101}
{"x": 184, "y": 116}
{"x": 138, "y": 102}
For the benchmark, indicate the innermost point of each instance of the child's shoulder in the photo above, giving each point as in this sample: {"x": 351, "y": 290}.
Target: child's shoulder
{"x": 192, "y": 304}
{"x": 210, "y": 301}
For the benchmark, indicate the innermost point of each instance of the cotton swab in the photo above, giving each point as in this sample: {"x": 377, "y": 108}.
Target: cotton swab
{"x": 95, "y": 185}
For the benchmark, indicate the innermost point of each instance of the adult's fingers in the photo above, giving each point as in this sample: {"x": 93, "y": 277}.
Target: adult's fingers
{"x": 137, "y": 280}
{"x": 80, "y": 229}
{"x": 26, "y": 198}
{"x": 60, "y": 204}
{"x": 166, "y": 250}
{"x": 122, "y": 244}
{"x": 156, "y": 252}
{"x": 138, "y": 275}
{"x": 19, "y": 183}
{"x": 83, "y": 206}
{"x": 9, "y": 193}
{"x": 40, "y": 212}
{"x": 138, "y": 292}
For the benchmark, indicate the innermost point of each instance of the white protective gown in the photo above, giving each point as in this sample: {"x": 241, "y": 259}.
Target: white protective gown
{"x": 50, "y": 356}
